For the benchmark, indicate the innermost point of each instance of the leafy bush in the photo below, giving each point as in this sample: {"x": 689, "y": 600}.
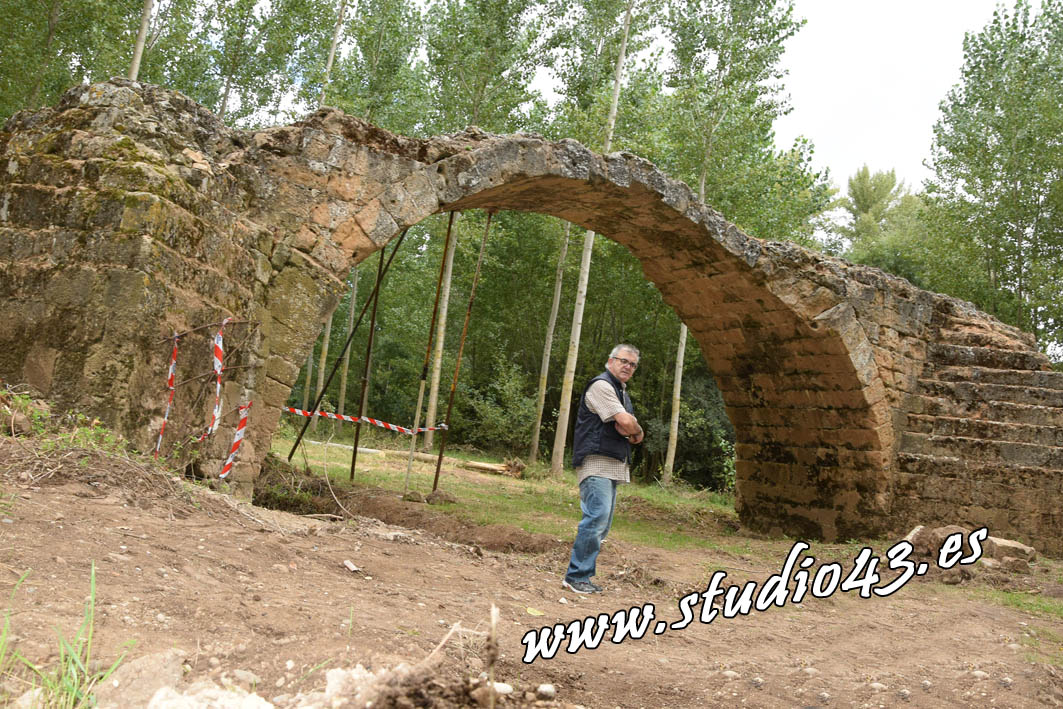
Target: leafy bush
{"x": 504, "y": 414}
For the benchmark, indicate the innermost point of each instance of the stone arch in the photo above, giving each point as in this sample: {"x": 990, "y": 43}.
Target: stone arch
{"x": 128, "y": 211}
{"x": 792, "y": 360}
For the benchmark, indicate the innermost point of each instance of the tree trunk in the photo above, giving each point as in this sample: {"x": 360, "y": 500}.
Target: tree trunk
{"x": 347, "y": 353}
{"x": 332, "y": 52}
{"x": 138, "y": 48}
{"x": 561, "y": 434}
{"x": 677, "y": 385}
{"x": 225, "y": 98}
{"x": 53, "y": 22}
{"x": 437, "y": 356}
{"x": 544, "y": 370}
{"x": 309, "y": 375}
{"x": 322, "y": 363}
{"x": 557, "y": 459}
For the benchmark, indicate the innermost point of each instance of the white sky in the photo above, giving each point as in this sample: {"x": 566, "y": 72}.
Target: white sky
{"x": 866, "y": 78}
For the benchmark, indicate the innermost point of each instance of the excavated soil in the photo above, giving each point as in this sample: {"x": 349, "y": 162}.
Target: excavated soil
{"x": 262, "y": 599}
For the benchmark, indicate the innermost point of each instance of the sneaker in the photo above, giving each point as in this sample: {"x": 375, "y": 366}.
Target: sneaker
{"x": 596, "y": 587}
{"x": 584, "y": 587}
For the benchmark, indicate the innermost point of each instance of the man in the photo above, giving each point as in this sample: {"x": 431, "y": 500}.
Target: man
{"x": 601, "y": 453}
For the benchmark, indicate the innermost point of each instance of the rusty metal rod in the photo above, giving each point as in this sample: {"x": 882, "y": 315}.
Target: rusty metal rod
{"x": 211, "y": 373}
{"x": 461, "y": 349}
{"x": 427, "y": 357}
{"x": 346, "y": 344}
{"x": 368, "y": 360}
{"x": 204, "y": 327}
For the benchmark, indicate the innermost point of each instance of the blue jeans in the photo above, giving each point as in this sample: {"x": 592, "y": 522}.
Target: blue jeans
{"x": 597, "y": 499}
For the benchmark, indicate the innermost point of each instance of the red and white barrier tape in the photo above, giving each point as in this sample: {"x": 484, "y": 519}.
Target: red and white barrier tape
{"x": 219, "y": 355}
{"x": 237, "y": 440}
{"x": 169, "y": 402}
{"x": 366, "y": 419}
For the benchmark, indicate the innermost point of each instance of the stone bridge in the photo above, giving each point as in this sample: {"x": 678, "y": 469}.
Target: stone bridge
{"x": 861, "y": 404}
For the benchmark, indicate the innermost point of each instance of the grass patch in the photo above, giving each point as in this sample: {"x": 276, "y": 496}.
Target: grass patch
{"x": 674, "y": 517}
{"x": 1043, "y": 645}
{"x": 1034, "y": 604}
{"x": 71, "y": 682}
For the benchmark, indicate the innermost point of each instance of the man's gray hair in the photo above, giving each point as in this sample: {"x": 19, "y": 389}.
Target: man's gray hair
{"x": 629, "y": 348}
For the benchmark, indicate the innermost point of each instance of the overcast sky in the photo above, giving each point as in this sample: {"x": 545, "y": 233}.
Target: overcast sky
{"x": 866, "y": 78}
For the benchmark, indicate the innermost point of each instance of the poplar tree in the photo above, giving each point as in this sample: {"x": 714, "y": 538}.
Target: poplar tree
{"x": 561, "y": 431}
{"x": 379, "y": 77}
{"x": 47, "y": 46}
{"x": 997, "y": 194}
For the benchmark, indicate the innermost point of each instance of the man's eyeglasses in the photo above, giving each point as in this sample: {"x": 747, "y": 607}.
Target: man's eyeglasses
{"x": 627, "y": 362}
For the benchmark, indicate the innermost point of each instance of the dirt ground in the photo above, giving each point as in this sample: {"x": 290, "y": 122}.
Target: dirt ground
{"x": 263, "y": 599}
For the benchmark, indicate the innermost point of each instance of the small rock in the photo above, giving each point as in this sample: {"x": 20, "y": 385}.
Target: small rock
{"x": 439, "y": 497}
{"x": 279, "y": 683}
{"x": 730, "y": 675}
{"x": 1000, "y": 548}
{"x": 877, "y": 687}
{"x": 919, "y": 538}
{"x": 1006, "y": 682}
{"x": 1015, "y": 565}
{"x": 1014, "y": 646}
{"x": 214, "y": 662}
{"x": 904, "y": 694}
{"x": 938, "y": 536}
{"x": 956, "y": 575}
{"x": 546, "y": 691}
{"x": 246, "y": 677}
{"x": 503, "y": 688}
{"x": 823, "y": 697}
{"x": 810, "y": 671}
{"x": 979, "y": 674}
{"x": 757, "y": 682}
{"x": 483, "y": 696}
{"x": 989, "y": 563}
{"x": 926, "y": 685}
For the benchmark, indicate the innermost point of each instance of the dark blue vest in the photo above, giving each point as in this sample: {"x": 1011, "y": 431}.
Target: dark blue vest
{"x": 594, "y": 436}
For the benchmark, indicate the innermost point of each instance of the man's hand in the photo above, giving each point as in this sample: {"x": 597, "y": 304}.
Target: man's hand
{"x": 628, "y": 427}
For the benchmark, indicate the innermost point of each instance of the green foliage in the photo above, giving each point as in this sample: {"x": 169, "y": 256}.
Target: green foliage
{"x": 727, "y": 93}
{"x": 482, "y": 56}
{"x": 177, "y": 51}
{"x": 997, "y": 196}
{"x": 379, "y": 79}
{"x": 870, "y": 199}
{"x": 503, "y": 411}
{"x": 50, "y": 45}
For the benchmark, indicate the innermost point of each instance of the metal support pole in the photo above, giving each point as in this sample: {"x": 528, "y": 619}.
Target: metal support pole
{"x": 350, "y": 336}
{"x": 427, "y": 358}
{"x": 461, "y": 348}
{"x": 368, "y": 358}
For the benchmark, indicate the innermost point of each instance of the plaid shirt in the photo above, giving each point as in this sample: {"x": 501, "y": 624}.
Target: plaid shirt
{"x": 601, "y": 400}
